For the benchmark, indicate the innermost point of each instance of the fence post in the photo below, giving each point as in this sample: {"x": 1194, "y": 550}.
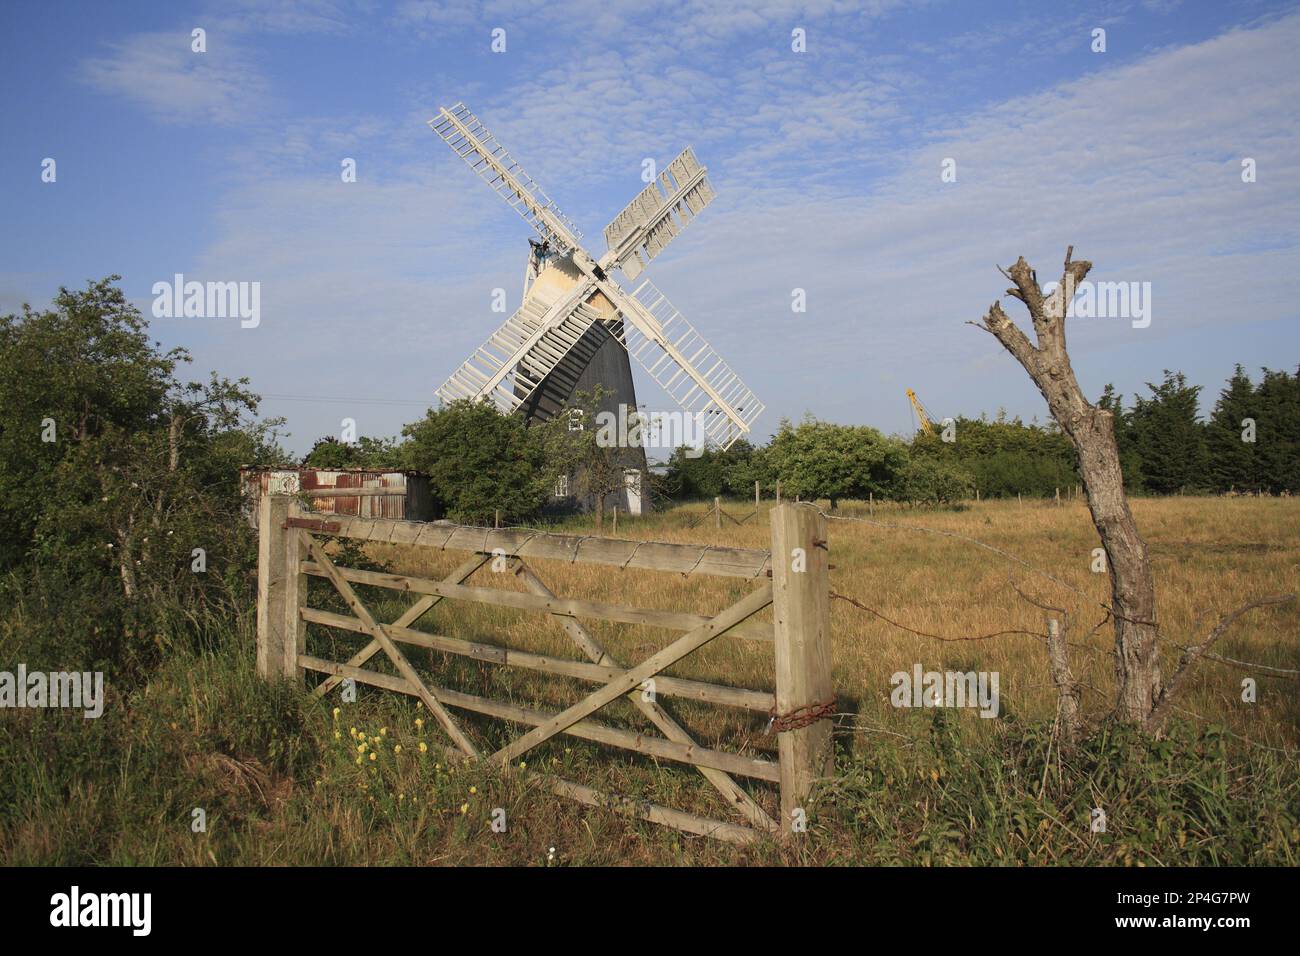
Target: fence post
{"x": 757, "y": 498}
{"x": 717, "y": 512}
{"x": 801, "y": 613}
{"x": 281, "y": 590}
{"x": 295, "y": 596}
{"x": 778, "y": 491}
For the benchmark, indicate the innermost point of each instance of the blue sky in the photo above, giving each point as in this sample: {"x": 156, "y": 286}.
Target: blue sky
{"x": 225, "y": 166}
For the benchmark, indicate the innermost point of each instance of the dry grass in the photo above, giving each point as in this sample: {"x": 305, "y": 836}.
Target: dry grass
{"x": 1210, "y": 555}
{"x": 282, "y": 780}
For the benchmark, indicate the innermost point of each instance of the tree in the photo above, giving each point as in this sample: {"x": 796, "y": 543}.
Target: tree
{"x": 1003, "y": 457}
{"x": 120, "y": 494}
{"x": 932, "y": 481}
{"x": 695, "y": 474}
{"x": 1091, "y": 431}
{"x": 1277, "y": 446}
{"x": 376, "y": 453}
{"x": 478, "y": 461}
{"x": 1170, "y": 438}
{"x": 68, "y": 374}
{"x": 1232, "y": 458}
{"x": 590, "y": 444}
{"x": 817, "y": 459}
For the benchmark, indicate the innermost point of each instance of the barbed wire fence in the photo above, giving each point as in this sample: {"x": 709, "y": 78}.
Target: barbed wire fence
{"x": 1192, "y": 653}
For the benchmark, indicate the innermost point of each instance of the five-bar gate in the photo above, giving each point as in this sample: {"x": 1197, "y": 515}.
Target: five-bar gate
{"x": 791, "y": 578}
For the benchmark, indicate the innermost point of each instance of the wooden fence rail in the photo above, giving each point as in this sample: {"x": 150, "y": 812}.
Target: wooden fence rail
{"x": 791, "y": 578}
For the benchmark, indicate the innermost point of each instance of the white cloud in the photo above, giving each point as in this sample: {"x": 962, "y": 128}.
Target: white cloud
{"x": 159, "y": 72}
{"x": 384, "y": 289}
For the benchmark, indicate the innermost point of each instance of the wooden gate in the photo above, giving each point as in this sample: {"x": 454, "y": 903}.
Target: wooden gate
{"x": 792, "y": 578}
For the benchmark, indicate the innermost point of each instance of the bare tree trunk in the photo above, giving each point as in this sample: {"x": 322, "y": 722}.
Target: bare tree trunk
{"x": 174, "y": 441}
{"x": 1092, "y": 434}
{"x": 126, "y": 562}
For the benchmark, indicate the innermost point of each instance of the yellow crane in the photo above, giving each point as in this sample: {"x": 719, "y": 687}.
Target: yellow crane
{"x": 921, "y": 413}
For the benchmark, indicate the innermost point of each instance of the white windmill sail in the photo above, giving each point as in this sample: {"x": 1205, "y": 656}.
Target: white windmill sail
{"x": 654, "y": 217}
{"x": 472, "y": 142}
{"x": 686, "y": 367}
{"x": 509, "y": 366}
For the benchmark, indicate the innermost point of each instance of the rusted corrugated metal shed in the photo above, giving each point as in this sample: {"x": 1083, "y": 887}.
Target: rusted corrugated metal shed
{"x": 407, "y": 496}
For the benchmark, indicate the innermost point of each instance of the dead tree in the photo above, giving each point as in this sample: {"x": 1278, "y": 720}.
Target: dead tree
{"x": 1091, "y": 432}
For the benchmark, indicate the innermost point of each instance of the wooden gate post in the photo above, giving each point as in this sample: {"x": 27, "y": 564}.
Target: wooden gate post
{"x": 281, "y": 591}
{"x": 801, "y": 613}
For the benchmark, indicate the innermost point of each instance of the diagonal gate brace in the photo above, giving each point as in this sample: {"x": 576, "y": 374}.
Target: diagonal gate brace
{"x": 732, "y": 791}
{"x": 688, "y": 643}
{"x": 399, "y": 660}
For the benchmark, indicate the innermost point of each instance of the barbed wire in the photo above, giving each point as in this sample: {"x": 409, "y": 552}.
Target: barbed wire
{"x": 895, "y": 526}
{"x": 835, "y": 595}
{"x": 706, "y": 549}
{"x": 1280, "y": 672}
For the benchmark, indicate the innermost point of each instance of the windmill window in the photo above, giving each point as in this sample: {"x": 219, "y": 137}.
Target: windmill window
{"x": 575, "y": 420}
{"x": 562, "y": 486}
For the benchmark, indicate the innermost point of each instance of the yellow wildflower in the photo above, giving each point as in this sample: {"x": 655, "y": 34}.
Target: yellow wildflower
{"x": 373, "y": 755}
{"x": 464, "y": 809}
{"x": 423, "y": 746}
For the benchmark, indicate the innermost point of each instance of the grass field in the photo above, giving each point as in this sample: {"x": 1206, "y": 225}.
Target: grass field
{"x": 281, "y": 779}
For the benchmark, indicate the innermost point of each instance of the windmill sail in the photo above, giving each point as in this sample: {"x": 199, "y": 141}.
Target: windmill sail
{"x": 678, "y": 358}
{"x": 484, "y": 154}
{"x": 654, "y": 217}
{"x": 509, "y": 366}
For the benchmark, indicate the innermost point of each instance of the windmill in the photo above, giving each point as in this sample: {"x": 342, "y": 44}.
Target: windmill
{"x": 577, "y": 326}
